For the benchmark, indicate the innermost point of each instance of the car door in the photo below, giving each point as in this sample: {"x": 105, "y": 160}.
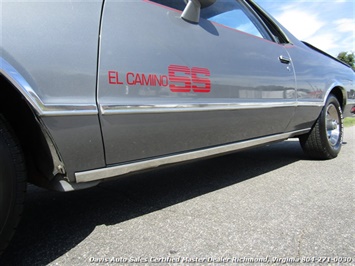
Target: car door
{"x": 168, "y": 86}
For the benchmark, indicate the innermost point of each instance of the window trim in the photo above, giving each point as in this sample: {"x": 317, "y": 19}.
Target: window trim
{"x": 255, "y": 19}
{"x": 266, "y": 19}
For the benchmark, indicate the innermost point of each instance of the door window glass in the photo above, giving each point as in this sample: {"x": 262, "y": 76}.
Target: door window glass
{"x": 229, "y": 13}
{"x": 236, "y": 19}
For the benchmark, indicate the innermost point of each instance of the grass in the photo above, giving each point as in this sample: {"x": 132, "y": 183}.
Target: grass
{"x": 349, "y": 121}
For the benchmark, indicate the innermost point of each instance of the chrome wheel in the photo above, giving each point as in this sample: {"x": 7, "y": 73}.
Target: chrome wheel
{"x": 333, "y": 125}
{"x": 326, "y": 137}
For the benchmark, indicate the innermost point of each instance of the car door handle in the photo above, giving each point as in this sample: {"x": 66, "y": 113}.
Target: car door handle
{"x": 284, "y": 59}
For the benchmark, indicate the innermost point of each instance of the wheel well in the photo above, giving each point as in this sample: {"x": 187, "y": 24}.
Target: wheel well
{"x": 338, "y": 93}
{"x": 27, "y": 128}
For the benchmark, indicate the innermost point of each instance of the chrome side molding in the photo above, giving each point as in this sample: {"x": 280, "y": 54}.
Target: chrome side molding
{"x": 122, "y": 169}
{"x": 188, "y": 107}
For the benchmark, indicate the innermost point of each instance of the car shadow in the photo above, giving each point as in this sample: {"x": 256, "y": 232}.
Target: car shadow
{"x": 53, "y": 223}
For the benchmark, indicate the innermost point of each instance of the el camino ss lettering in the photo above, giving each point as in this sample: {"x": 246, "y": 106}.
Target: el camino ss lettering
{"x": 179, "y": 79}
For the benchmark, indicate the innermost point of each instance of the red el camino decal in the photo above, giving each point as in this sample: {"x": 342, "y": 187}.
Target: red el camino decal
{"x": 179, "y": 79}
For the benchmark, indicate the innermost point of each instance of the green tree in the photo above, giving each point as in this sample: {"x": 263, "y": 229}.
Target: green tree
{"x": 348, "y": 58}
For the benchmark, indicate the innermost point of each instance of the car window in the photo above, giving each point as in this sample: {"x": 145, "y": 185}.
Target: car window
{"x": 229, "y": 13}
{"x": 232, "y": 16}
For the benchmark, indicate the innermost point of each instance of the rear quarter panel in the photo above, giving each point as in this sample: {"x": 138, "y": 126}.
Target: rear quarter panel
{"x": 316, "y": 76}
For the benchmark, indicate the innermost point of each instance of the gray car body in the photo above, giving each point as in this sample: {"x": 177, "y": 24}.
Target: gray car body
{"x": 75, "y": 62}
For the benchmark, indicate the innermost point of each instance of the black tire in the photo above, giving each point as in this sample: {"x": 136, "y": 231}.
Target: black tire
{"x": 12, "y": 183}
{"x": 325, "y": 139}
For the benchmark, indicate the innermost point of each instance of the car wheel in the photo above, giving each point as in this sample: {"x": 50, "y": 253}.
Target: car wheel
{"x": 12, "y": 183}
{"x": 326, "y": 137}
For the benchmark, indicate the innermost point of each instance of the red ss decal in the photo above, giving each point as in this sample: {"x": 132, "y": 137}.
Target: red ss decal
{"x": 183, "y": 79}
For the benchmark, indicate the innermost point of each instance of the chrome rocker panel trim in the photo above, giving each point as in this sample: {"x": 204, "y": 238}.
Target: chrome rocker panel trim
{"x": 117, "y": 170}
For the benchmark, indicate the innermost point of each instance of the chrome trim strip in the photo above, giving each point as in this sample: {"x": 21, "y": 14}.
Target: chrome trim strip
{"x": 188, "y": 107}
{"x": 199, "y": 107}
{"x": 42, "y": 109}
{"x": 69, "y": 110}
{"x": 310, "y": 104}
{"x": 118, "y": 170}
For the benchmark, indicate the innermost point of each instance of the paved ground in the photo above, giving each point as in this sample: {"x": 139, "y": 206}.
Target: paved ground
{"x": 267, "y": 203}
